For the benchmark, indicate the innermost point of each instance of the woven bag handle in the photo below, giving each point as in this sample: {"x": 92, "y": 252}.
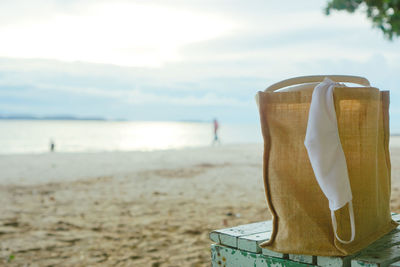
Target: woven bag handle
{"x": 316, "y": 79}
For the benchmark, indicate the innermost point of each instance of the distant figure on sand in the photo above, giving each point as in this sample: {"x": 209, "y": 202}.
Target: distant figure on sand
{"x": 216, "y": 126}
{"x": 52, "y": 145}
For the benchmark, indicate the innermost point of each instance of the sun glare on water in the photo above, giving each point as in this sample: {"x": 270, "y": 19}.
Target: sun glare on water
{"x": 164, "y": 135}
{"x": 95, "y": 136}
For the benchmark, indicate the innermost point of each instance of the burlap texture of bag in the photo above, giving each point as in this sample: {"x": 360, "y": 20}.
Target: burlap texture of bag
{"x": 301, "y": 216}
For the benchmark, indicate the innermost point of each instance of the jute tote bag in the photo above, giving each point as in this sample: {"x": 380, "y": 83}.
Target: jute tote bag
{"x": 302, "y": 221}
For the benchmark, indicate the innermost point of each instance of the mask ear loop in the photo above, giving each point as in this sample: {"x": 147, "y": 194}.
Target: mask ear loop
{"x": 353, "y": 227}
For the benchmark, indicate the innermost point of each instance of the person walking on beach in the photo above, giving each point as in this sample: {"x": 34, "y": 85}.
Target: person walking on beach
{"x": 216, "y": 126}
{"x": 52, "y": 145}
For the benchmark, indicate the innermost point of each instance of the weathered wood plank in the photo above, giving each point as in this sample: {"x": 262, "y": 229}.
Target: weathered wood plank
{"x": 389, "y": 240}
{"x": 251, "y": 242}
{"x": 335, "y": 261}
{"x": 380, "y": 253}
{"x": 229, "y": 236}
{"x": 215, "y": 237}
{"x": 248, "y": 237}
{"x": 271, "y": 253}
{"x": 230, "y": 257}
{"x": 396, "y": 217}
{"x": 302, "y": 258}
{"x": 378, "y": 258}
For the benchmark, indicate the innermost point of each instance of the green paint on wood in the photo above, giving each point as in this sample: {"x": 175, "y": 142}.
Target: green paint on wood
{"x": 214, "y": 237}
{"x": 271, "y": 253}
{"x": 301, "y": 258}
{"x": 246, "y": 259}
{"x": 396, "y": 217}
{"x": 246, "y": 239}
{"x": 251, "y": 242}
{"x": 380, "y": 257}
{"x": 229, "y": 236}
{"x": 355, "y": 263}
{"x": 395, "y": 264}
{"x": 387, "y": 241}
{"x": 335, "y": 261}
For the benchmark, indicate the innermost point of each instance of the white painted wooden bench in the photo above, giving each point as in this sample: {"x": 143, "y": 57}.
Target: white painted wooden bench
{"x": 238, "y": 246}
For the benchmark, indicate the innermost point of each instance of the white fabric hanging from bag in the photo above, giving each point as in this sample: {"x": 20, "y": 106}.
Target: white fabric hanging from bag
{"x": 326, "y": 154}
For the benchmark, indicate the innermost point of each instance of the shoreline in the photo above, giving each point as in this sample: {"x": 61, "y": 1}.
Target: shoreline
{"x": 394, "y": 143}
{"x": 50, "y": 167}
{"x": 29, "y": 169}
{"x": 171, "y": 149}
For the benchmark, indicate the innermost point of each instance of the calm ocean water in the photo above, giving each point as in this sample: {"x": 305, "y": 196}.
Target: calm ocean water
{"x": 18, "y": 136}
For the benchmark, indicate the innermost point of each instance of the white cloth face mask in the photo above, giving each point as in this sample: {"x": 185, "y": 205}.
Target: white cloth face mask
{"x": 326, "y": 153}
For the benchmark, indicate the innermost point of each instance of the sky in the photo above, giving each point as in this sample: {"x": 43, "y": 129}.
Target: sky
{"x": 178, "y": 60}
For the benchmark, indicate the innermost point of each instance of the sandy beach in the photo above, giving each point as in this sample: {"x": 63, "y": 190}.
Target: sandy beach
{"x": 130, "y": 208}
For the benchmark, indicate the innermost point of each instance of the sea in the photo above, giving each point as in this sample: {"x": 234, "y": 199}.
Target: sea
{"x": 36, "y": 136}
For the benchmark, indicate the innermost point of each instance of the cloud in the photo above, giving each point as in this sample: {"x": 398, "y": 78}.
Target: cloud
{"x": 104, "y": 61}
{"x": 127, "y": 34}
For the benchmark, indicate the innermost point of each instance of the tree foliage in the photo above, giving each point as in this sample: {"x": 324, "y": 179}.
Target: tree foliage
{"x": 384, "y": 14}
